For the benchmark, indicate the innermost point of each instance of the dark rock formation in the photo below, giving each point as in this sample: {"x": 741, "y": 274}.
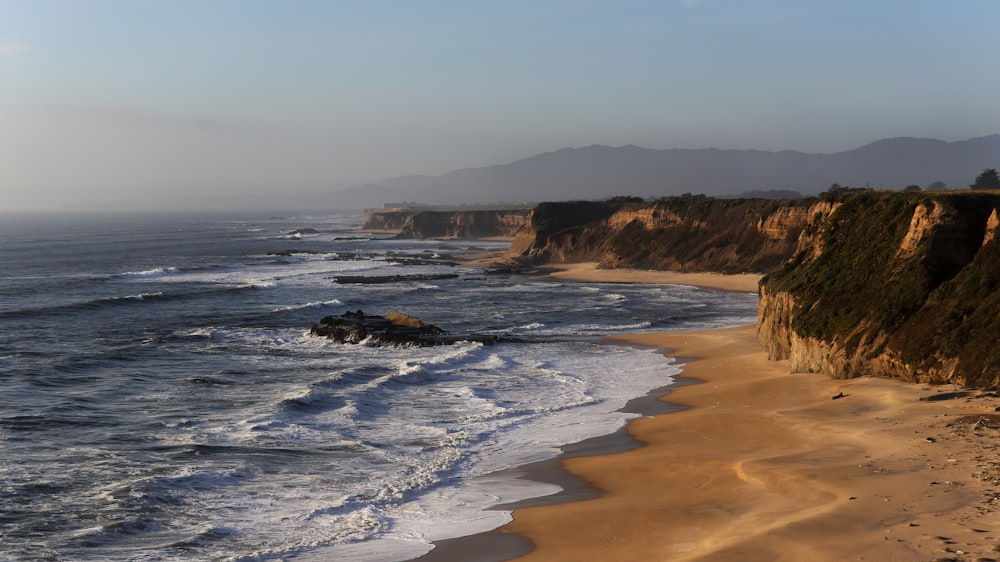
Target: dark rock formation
{"x": 380, "y": 279}
{"x": 395, "y": 329}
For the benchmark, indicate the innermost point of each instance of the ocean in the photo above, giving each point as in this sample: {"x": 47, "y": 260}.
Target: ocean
{"x": 161, "y": 397}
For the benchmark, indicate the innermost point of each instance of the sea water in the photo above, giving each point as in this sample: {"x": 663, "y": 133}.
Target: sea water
{"x": 161, "y": 397}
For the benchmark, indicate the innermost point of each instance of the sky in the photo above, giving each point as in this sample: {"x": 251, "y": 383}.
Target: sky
{"x": 172, "y": 104}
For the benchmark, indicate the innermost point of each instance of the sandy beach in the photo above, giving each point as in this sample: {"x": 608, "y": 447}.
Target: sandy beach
{"x": 762, "y": 465}
{"x": 767, "y": 465}
{"x": 589, "y": 272}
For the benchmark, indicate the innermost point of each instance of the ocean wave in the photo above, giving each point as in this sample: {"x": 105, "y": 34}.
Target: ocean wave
{"x": 315, "y": 400}
{"x": 127, "y": 299}
{"x": 316, "y": 304}
{"x": 256, "y": 337}
{"x": 412, "y": 373}
{"x": 87, "y": 304}
{"x": 259, "y": 284}
{"x": 92, "y": 303}
{"x": 529, "y": 327}
{"x": 149, "y": 273}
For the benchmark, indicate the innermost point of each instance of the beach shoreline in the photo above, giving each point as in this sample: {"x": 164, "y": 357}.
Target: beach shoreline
{"x": 766, "y": 465}
{"x": 589, "y": 272}
{"x": 763, "y": 465}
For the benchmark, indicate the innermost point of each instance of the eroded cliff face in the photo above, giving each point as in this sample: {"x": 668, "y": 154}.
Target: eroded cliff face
{"x": 460, "y": 224}
{"x": 688, "y": 233}
{"x": 892, "y": 284}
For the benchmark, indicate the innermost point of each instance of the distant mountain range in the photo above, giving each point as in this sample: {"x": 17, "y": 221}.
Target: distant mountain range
{"x": 597, "y": 172}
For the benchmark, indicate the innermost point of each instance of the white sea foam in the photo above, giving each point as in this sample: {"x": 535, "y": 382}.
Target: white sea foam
{"x": 224, "y": 431}
{"x": 592, "y": 386}
{"x": 444, "y": 420}
{"x": 149, "y": 273}
{"x": 126, "y": 298}
{"x": 316, "y": 304}
{"x": 533, "y": 326}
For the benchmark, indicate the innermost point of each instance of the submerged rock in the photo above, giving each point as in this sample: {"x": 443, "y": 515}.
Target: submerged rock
{"x": 382, "y": 279}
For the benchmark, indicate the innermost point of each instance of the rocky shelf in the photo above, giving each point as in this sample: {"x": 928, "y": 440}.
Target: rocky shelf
{"x": 380, "y": 279}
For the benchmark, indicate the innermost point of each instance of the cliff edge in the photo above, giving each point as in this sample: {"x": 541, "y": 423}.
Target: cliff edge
{"x": 691, "y": 233}
{"x": 894, "y": 284}
{"x": 460, "y": 224}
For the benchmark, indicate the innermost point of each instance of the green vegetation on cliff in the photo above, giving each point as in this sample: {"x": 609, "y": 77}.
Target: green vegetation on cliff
{"x": 462, "y": 223}
{"x": 686, "y": 233}
{"x": 706, "y": 234}
{"x": 855, "y": 276}
{"x": 912, "y": 275}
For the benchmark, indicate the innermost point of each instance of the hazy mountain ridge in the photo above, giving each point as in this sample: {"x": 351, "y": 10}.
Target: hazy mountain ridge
{"x": 597, "y": 171}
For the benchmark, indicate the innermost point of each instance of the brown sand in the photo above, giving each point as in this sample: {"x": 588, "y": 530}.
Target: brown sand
{"x": 765, "y": 465}
{"x": 589, "y": 272}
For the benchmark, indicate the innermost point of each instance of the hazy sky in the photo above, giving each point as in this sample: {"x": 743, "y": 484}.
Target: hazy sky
{"x": 165, "y": 103}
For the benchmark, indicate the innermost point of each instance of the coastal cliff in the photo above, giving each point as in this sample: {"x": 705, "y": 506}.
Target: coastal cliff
{"x": 892, "y": 284}
{"x": 686, "y": 233}
{"x": 903, "y": 285}
{"x": 460, "y": 224}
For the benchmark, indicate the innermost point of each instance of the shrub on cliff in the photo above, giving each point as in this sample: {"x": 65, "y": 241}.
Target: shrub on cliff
{"x": 988, "y": 179}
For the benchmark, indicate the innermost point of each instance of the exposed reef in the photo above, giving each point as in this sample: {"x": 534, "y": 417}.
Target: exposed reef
{"x": 383, "y": 279}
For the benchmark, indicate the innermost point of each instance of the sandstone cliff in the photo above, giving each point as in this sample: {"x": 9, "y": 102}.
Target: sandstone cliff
{"x": 461, "y": 224}
{"x": 897, "y": 284}
{"x": 687, "y": 233}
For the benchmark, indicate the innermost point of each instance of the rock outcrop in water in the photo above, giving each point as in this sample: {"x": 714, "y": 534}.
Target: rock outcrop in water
{"x": 396, "y": 329}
